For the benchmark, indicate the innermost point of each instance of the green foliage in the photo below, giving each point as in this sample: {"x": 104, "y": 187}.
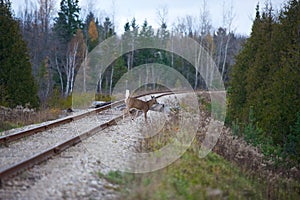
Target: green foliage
{"x": 235, "y": 126}
{"x": 7, "y": 126}
{"x": 265, "y": 80}
{"x": 16, "y": 78}
{"x": 58, "y": 101}
{"x": 117, "y": 177}
{"x": 291, "y": 148}
{"x": 192, "y": 178}
{"x": 67, "y": 22}
{"x": 103, "y": 97}
{"x": 251, "y": 132}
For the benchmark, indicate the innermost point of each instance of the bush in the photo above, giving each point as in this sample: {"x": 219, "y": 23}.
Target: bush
{"x": 291, "y": 148}
{"x": 103, "y": 97}
{"x": 254, "y": 135}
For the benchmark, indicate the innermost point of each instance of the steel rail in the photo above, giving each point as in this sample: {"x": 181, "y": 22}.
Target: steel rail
{"x": 52, "y": 151}
{"x": 6, "y": 139}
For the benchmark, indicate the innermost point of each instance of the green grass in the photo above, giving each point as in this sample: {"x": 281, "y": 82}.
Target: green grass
{"x": 194, "y": 178}
{"x": 191, "y": 178}
{"x": 7, "y": 126}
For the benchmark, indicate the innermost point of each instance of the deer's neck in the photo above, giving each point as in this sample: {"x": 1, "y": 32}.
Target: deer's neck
{"x": 150, "y": 103}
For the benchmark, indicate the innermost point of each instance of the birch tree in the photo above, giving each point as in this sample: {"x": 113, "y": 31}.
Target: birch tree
{"x": 228, "y": 17}
{"x": 75, "y": 56}
{"x": 204, "y": 27}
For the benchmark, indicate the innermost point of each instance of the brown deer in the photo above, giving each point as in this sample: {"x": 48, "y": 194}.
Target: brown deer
{"x": 132, "y": 102}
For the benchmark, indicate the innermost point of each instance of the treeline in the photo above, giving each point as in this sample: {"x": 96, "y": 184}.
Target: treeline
{"x": 17, "y": 85}
{"x": 58, "y": 43}
{"x": 264, "y": 92}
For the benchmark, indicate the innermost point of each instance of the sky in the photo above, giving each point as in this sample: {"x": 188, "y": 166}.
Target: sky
{"x": 125, "y": 10}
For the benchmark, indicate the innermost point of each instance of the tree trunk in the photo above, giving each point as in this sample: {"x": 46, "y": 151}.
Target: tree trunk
{"x": 60, "y": 75}
{"x": 111, "y": 80}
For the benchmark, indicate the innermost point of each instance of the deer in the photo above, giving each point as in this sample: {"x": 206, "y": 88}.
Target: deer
{"x": 132, "y": 102}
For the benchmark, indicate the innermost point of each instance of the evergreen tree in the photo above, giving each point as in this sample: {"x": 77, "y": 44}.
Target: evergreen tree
{"x": 284, "y": 90}
{"x": 16, "y": 81}
{"x": 237, "y": 90}
{"x": 266, "y": 76}
{"x": 67, "y": 22}
{"x": 65, "y": 28}
{"x": 259, "y": 74}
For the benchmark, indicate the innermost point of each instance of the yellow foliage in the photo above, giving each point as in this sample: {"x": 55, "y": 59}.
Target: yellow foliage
{"x": 93, "y": 33}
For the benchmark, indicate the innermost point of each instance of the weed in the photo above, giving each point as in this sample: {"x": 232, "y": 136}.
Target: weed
{"x": 236, "y": 128}
{"x": 116, "y": 177}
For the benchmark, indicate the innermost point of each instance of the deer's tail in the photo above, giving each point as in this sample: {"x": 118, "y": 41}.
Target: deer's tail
{"x": 127, "y": 94}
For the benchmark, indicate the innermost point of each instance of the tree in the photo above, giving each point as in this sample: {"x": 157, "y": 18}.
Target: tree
{"x": 16, "y": 78}
{"x": 35, "y": 24}
{"x": 67, "y": 22}
{"x": 93, "y": 37}
{"x": 284, "y": 85}
{"x": 266, "y": 76}
{"x": 66, "y": 42}
{"x": 237, "y": 91}
{"x": 75, "y": 56}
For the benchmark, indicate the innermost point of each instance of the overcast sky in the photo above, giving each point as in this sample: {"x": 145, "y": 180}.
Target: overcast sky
{"x": 125, "y": 10}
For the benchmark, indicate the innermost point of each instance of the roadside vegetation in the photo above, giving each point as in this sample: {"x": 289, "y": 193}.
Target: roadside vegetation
{"x": 264, "y": 88}
{"x": 235, "y": 169}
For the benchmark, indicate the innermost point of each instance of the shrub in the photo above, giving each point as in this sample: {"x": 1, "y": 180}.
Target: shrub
{"x": 291, "y": 148}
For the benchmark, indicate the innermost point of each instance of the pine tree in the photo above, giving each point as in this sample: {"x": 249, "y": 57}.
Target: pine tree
{"x": 284, "y": 90}
{"x": 238, "y": 82}
{"x": 67, "y": 22}
{"x": 16, "y": 78}
{"x": 65, "y": 28}
{"x": 258, "y": 76}
{"x": 266, "y": 76}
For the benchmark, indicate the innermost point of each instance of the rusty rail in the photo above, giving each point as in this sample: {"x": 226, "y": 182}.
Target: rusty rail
{"x": 48, "y": 153}
{"x": 6, "y": 139}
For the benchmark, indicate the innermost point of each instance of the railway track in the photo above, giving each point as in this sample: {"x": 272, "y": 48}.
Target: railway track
{"x": 6, "y": 139}
{"x": 40, "y": 156}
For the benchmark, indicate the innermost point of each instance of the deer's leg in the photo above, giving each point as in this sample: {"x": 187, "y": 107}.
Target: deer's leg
{"x": 130, "y": 114}
{"x": 124, "y": 112}
{"x": 145, "y": 115}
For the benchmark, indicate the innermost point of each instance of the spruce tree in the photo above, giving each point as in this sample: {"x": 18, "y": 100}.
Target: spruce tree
{"x": 16, "y": 80}
{"x": 259, "y": 75}
{"x": 238, "y": 82}
{"x": 67, "y": 22}
{"x": 266, "y": 76}
{"x": 284, "y": 91}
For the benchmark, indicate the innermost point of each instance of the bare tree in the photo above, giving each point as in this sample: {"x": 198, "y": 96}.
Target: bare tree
{"x": 162, "y": 16}
{"x": 35, "y": 22}
{"x": 75, "y": 55}
{"x": 228, "y": 17}
{"x": 203, "y": 29}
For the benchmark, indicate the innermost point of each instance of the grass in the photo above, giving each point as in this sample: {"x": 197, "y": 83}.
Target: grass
{"x": 16, "y": 119}
{"x": 7, "y": 126}
{"x": 192, "y": 178}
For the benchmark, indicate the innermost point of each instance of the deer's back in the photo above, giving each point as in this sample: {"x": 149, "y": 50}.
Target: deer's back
{"x": 136, "y": 103}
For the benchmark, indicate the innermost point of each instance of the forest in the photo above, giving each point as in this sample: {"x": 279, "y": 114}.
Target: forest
{"x": 41, "y": 52}
{"x": 57, "y": 44}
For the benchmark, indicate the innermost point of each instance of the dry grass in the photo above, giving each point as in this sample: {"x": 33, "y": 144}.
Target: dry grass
{"x": 19, "y": 116}
{"x": 241, "y": 172}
